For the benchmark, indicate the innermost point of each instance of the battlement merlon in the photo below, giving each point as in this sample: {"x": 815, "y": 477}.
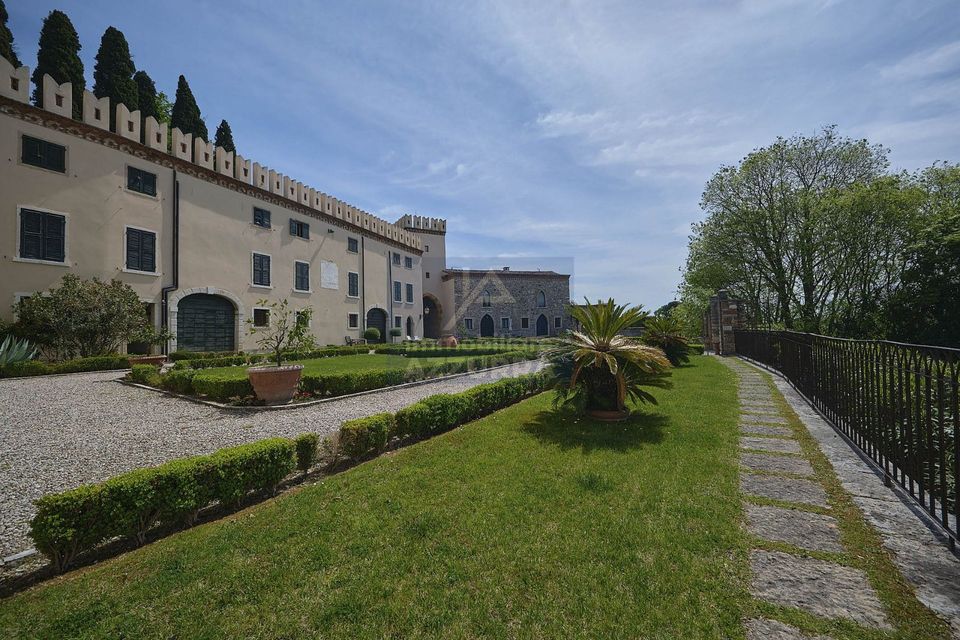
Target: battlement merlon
{"x": 422, "y": 223}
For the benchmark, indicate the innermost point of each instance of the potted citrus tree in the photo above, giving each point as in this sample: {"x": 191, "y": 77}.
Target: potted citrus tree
{"x": 597, "y": 370}
{"x": 285, "y": 331}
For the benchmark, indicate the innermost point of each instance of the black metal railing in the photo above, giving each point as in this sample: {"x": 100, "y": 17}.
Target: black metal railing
{"x": 897, "y": 402}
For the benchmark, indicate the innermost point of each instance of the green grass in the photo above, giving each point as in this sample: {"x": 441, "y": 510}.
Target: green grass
{"x": 344, "y": 364}
{"x": 523, "y": 524}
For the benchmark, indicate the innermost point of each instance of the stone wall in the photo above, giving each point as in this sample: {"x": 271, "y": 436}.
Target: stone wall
{"x": 513, "y": 295}
{"x": 724, "y": 315}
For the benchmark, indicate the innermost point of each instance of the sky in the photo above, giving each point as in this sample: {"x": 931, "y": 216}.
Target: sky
{"x": 572, "y": 135}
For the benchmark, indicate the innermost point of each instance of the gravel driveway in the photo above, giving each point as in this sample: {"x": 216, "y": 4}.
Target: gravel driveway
{"x": 63, "y": 431}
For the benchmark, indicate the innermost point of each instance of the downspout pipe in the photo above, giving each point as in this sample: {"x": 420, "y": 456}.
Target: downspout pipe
{"x": 175, "y": 260}
{"x": 363, "y": 286}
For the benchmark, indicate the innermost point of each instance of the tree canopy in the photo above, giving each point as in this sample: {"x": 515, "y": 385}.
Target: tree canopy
{"x": 186, "y": 114}
{"x": 7, "y": 49}
{"x": 224, "y": 137}
{"x": 113, "y": 74}
{"x": 59, "y": 57}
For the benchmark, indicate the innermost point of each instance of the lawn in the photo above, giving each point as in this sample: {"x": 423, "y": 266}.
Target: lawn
{"x": 523, "y": 524}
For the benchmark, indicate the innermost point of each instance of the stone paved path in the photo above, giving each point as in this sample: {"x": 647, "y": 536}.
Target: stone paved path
{"x": 787, "y": 505}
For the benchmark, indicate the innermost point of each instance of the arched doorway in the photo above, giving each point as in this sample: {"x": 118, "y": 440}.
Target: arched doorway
{"x": 486, "y": 326}
{"x": 431, "y": 318}
{"x": 377, "y": 319}
{"x": 410, "y": 327}
{"x": 543, "y": 327}
{"x": 206, "y": 322}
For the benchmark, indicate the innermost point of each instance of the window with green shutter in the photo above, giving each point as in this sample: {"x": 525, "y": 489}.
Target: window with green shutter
{"x": 42, "y": 235}
{"x": 261, "y": 217}
{"x": 353, "y": 245}
{"x": 261, "y": 270}
{"x": 353, "y": 284}
{"x": 141, "y": 250}
{"x": 299, "y": 229}
{"x": 43, "y": 154}
{"x": 397, "y": 291}
{"x": 410, "y": 293}
{"x": 301, "y": 277}
{"x": 141, "y": 181}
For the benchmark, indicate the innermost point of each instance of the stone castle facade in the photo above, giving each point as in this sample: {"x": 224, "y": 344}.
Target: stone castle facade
{"x": 204, "y": 236}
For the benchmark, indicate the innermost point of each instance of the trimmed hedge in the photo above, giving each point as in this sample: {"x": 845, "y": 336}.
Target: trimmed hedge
{"x": 145, "y": 374}
{"x": 40, "y": 368}
{"x": 306, "y": 445}
{"x": 128, "y": 505}
{"x": 366, "y": 435}
{"x": 223, "y": 387}
{"x": 435, "y": 414}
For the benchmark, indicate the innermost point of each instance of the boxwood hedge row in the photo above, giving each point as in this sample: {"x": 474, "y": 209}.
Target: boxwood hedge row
{"x": 130, "y": 504}
{"x": 40, "y": 368}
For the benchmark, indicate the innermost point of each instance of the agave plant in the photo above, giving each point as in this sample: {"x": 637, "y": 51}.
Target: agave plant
{"x": 666, "y": 333}
{"x": 14, "y": 350}
{"x": 597, "y": 369}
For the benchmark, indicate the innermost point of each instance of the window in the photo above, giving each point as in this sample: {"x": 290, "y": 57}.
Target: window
{"x": 353, "y": 284}
{"x": 485, "y": 299}
{"x": 427, "y": 275}
{"x": 524, "y": 323}
{"x": 468, "y": 323}
{"x": 261, "y": 270}
{"x": 141, "y": 250}
{"x": 557, "y": 322}
{"x": 42, "y": 235}
{"x": 353, "y": 245}
{"x": 505, "y": 324}
{"x": 397, "y": 291}
{"x": 43, "y": 154}
{"x": 141, "y": 181}
{"x": 408, "y": 262}
{"x": 396, "y": 259}
{"x": 261, "y": 317}
{"x": 426, "y": 248}
{"x": 353, "y": 320}
{"x": 261, "y": 217}
{"x": 301, "y": 276}
{"x": 541, "y": 299}
{"x": 409, "y": 293}
{"x": 299, "y": 229}
{"x": 397, "y": 322}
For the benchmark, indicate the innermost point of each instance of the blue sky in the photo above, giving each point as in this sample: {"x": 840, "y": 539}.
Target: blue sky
{"x": 571, "y": 135}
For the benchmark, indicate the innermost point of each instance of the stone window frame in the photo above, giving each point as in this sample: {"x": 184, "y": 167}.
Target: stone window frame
{"x": 357, "y": 295}
{"x": 270, "y": 273}
{"x": 509, "y": 323}
{"x": 66, "y": 237}
{"x": 524, "y": 322}
{"x": 253, "y": 317}
{"x": 353, "y": 320}
{"x": 309, "y": 288}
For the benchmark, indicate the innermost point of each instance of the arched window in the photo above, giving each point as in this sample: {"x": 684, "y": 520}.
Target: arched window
{"x": 485, "y": 299}
{"x": 541, "y": 299}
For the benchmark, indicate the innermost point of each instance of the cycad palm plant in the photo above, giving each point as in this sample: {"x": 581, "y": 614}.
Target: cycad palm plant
{"x": 597, "y": 369}
{"x": 666, "y": 333}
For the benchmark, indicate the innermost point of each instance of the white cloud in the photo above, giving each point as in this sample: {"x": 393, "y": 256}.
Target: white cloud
{"x": 928, "y": 62}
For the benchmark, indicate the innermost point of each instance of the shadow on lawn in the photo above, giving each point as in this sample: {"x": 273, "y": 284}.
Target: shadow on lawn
{"x": 570, "y": 431}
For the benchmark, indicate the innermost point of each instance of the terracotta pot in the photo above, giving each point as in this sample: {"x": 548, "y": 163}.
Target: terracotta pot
{"x": 607, "y": 415}
{"x": 275, "y": 385}
{"x": 448, "y": 341}
{"x": 156, "y": 361}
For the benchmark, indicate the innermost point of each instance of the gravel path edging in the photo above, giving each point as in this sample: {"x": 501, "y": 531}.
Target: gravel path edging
{"x": 310, "y": 403}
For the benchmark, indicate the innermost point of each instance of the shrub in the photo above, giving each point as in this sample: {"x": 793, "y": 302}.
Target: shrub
{"x": 28, "y": 368}
{"x": 361, "y": 437}
{"x": 220, "y": 387}
{"x": 412, "y": 420}
{"x": 39, "y": 368}
{"x": 130, "y": 504}
{"x": 306, "y": 445}
{"x": 198, "y": 355}
{"x": 143, "y": 373}
{"x": 372, "y": 334}
{"x": 178, "y": 380}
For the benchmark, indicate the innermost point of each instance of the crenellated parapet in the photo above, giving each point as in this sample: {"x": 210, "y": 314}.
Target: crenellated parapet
{"x": 422, "y": 224}
{"x": 215, "y": 163}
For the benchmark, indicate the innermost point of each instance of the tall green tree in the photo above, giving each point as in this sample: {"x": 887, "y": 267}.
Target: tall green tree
{"x": 7, "y": 49}
{"x": 146, "y": 95}
{"x": 224, "y": 137}
{"x": 186, "y": 114}
{"x": 59, "y": 57}
{"x": 113, "y": 74}
{"x": 778, "y": 234}
{"x": 926, "y": 308}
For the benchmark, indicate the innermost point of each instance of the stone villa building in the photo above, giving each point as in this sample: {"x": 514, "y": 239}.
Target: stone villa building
{"x": 204, "y": 236}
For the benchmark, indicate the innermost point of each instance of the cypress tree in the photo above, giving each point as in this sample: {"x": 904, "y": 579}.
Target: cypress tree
{"x": 146, "y": 95}
{"x": 113, "y": 74}
{"x": 224, "y": 137}
{"x": 186, "y": 114}
{"x": 6, "y": 39}
{"x": 59, "y": 57}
